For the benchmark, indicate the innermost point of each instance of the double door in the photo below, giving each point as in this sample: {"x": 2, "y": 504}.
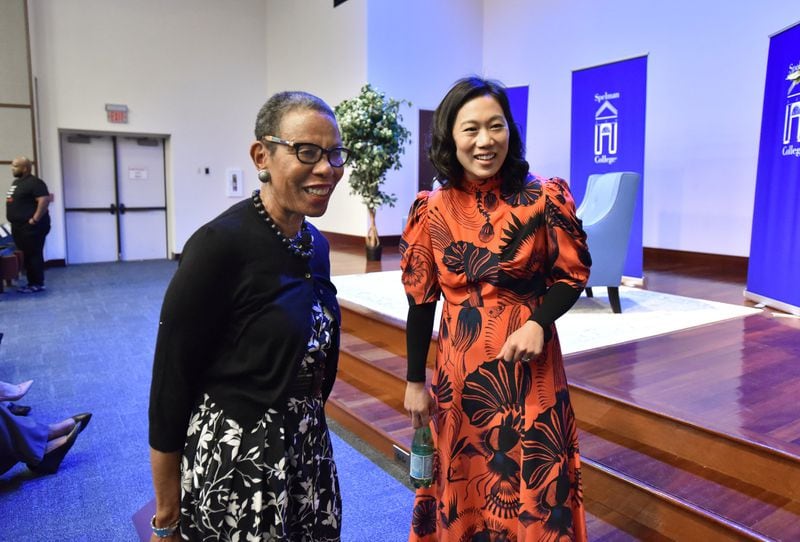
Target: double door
{"x": 114, "y": 198}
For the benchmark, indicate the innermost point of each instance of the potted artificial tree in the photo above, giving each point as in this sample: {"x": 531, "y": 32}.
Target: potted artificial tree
{"x": 371, "y": 126}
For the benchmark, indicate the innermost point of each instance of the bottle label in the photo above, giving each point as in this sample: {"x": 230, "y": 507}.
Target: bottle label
{"x": 421, "y": 466}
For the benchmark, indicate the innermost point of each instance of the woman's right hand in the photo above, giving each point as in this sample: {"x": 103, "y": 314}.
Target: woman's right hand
{"x": 419, "y": 403}
{"x": 166, "y": 468}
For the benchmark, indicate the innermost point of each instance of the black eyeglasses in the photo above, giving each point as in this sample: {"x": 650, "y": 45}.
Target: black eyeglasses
{"x": 309, "y": 153}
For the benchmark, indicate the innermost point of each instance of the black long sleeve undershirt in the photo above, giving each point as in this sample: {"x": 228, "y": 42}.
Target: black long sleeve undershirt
{"x": 419, "y": 325}
{"x": 419, "y": 328}
{"x": 558, "y": 300}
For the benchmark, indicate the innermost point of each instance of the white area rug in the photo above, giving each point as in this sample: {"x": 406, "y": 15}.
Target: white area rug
{"x": 589, "y": 324}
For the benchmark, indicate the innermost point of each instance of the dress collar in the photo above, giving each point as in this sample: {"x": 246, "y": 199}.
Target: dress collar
{"x": 483, "y": 185}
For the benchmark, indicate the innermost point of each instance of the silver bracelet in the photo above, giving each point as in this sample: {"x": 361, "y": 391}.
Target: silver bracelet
{"x": 164, "y": 532}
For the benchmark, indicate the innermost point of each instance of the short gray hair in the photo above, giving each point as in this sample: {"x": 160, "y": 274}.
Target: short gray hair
{"x": 269, "y": 118}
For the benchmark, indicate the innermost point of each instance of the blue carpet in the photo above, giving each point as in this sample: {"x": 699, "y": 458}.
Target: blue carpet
{"x": 375, "y": 506}
{"x": 88, "y": 344}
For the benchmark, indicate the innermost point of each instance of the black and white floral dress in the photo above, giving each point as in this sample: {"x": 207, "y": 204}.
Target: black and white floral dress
{"x": 277, "y": 481}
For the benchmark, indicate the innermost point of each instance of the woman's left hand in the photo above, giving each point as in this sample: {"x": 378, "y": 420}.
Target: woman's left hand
{"x": 524, "y": 344}
{"x": 419, "y": 403}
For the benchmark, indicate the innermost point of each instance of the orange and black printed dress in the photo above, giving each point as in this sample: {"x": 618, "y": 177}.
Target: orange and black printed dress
{"x": 507, "y": 465}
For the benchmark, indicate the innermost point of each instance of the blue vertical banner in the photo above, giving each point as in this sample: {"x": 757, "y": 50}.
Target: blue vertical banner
{"x": 518, "y": 101}
{"x": 608, "y": 116}
{"x": 773, "y": 275}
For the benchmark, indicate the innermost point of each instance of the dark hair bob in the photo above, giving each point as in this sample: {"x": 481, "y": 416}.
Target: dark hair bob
{"x": 442, "y": 151}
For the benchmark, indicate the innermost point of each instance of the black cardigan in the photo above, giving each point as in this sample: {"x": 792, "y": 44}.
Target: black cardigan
{"x": 235, "y": 324}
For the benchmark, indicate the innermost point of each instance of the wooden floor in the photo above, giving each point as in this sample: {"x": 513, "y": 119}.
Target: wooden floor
{"x": 706, "y": 418}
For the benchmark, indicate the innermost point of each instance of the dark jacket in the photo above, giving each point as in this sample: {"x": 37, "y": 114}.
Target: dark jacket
{"x": 235, "y": 324}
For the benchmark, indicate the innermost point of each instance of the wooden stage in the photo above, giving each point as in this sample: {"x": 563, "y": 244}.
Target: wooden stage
{"x": 689, "y": 436}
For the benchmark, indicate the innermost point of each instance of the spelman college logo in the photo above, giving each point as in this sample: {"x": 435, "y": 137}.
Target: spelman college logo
{"x": 791, "y": 120}
{"x": 606, "y": 128}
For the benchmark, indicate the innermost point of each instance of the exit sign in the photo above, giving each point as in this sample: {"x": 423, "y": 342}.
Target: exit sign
{"x": 117, "y": 113}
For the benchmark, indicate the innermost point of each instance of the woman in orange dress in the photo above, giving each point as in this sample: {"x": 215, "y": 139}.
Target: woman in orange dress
{"x": 508, "y": 254}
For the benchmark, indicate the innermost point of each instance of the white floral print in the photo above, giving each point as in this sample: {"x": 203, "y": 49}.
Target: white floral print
{"x": 275, "y": 482}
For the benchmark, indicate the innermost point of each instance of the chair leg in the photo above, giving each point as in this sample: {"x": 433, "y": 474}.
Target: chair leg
{"x": 589, "y": 292}
{"x": 613, "y": 298}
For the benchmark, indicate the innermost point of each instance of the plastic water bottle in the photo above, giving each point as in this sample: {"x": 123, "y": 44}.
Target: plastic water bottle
{"x": 421, "y": 461}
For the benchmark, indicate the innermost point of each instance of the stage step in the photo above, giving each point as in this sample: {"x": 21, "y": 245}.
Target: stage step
{"x": 750, "y": 462}
{"x": 734, "y": 489}
{"x": 678, "y": 498}
{"x": 371, "y": 419}
{"x": 379, "y": 330}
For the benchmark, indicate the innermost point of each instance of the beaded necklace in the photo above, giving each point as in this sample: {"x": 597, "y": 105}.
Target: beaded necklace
{"x": 301, "y": 245}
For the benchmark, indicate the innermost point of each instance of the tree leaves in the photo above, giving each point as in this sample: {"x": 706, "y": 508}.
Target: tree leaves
{"x": 371, "y": 126}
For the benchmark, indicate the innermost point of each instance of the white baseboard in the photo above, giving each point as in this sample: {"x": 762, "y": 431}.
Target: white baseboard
{"x": 774, "y": 303}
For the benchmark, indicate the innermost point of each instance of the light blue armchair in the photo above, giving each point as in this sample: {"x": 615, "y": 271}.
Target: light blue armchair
{"x": 607, "y": 215}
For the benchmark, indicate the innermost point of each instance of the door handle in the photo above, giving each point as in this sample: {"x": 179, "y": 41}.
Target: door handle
{"x": 112, "y": 209}
{"x": 122, "y": 208}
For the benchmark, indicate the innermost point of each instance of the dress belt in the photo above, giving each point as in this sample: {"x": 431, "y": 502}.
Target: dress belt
{"x": 308, "y": 383}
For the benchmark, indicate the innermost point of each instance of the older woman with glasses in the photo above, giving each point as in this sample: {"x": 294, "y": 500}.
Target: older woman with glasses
{"x": 247, "y": 351}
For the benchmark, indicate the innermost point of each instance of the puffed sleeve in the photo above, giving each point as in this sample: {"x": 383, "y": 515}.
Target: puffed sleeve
{"x": 567, "y": 251}
{"x": 189, "y": 327}
{"x": 416, "y": 255}
{"x": 568, "y": 256}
